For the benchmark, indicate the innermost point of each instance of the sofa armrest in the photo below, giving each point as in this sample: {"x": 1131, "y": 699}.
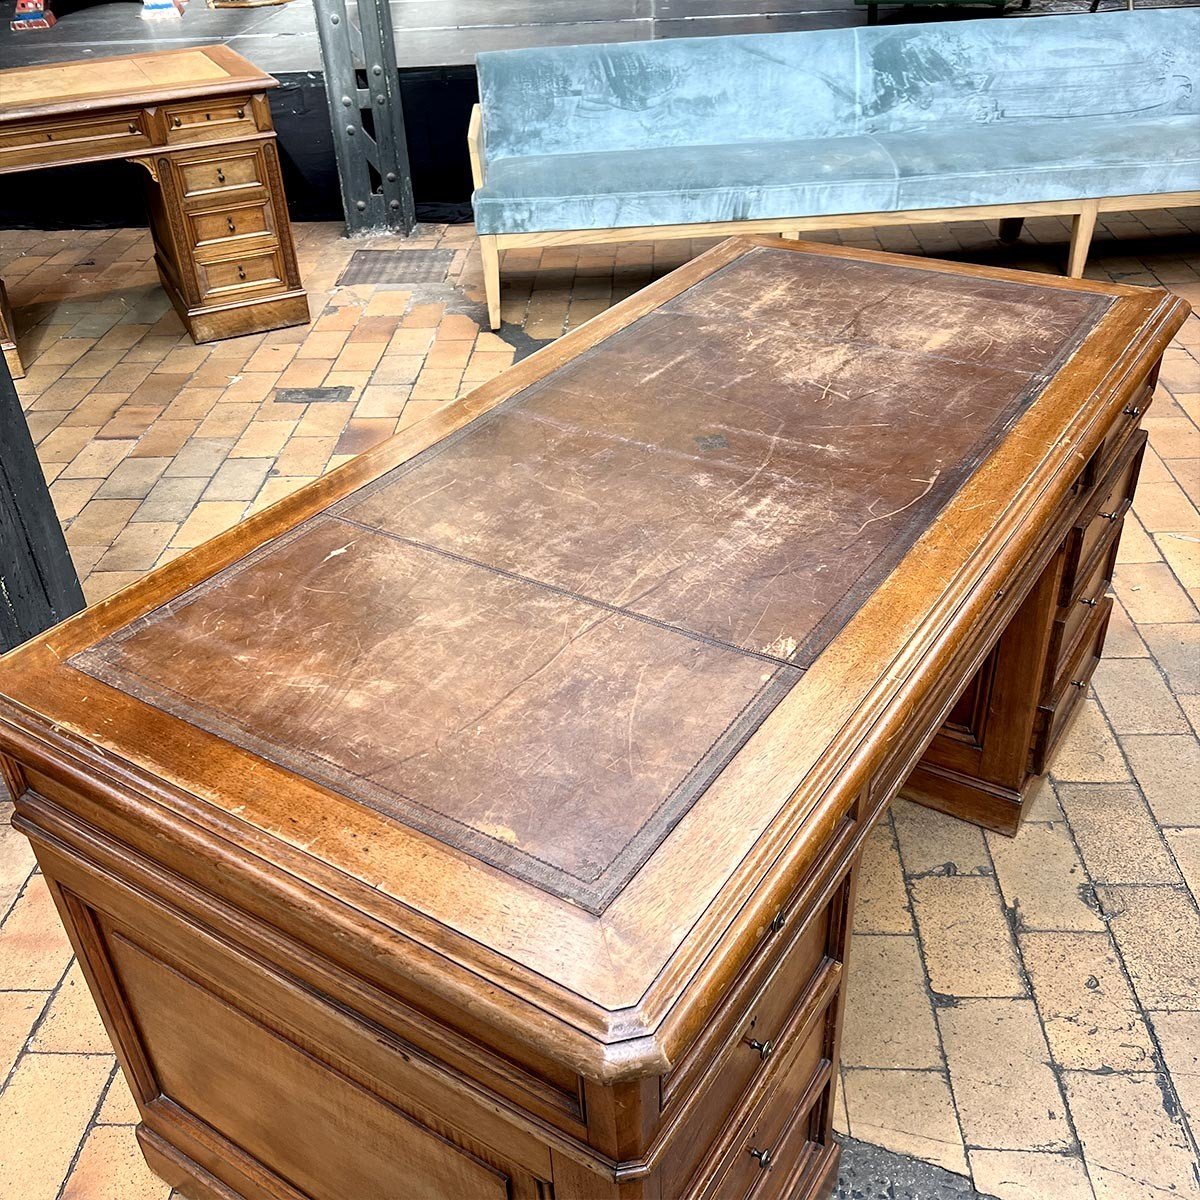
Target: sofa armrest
{"x": 475, "y": 145}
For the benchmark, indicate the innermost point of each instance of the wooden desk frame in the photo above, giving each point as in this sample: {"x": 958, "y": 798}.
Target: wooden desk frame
{"x": 222, "y": 239}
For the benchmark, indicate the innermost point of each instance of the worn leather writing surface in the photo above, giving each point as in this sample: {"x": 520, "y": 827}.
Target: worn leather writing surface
{"x": 541, "y": 639}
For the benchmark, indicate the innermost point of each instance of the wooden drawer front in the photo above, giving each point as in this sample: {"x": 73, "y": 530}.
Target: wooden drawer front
{"x": 42, "y": 143}
{"x": 222, "y": 230}
{"x": 221, "y": 173}
{"x": 1101, "y": 519}
{"x": 769, "y": 1148}
{"x": 202, "y": 122}
{"x": 247, "y": 273}
{"x": 1072, "y": 620}
{"x": 1130, "y": 416}
{"x": 1052, "y": 718}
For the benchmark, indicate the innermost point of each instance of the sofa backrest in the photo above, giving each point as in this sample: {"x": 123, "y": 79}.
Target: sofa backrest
{"x": 703, "y": 91}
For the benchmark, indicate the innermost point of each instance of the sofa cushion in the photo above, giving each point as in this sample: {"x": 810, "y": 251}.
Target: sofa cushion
{"x": 1044, "y": 160}
{"x": 938, "y": 167}
{"x": 685, "y": 184}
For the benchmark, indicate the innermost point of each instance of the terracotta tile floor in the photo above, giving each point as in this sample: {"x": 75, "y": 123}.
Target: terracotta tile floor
{"x": 1026, "y": 1011}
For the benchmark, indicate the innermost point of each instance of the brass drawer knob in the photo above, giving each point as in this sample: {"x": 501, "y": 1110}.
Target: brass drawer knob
{"x": 220, "y": 175}
{"x": 765, "y": 1158}
{"x": 132, "y": 127}
{"x": 1132, "y": 411}
{"x": 177, "y": 122}
{"x": 241, "y": 112}
{"x": 777, "y": 922}
{"x": 765, "y": 1049}
{"x": 1089, "y": 603}
{"x": 232, "y": 226}
{"x": 1079, "y": 683}
{"x": 241, "y": 271}
{"x": 1112, "y": 516}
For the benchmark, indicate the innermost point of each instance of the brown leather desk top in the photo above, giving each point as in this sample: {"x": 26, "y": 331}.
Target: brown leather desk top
{"x": 571, "y": 675}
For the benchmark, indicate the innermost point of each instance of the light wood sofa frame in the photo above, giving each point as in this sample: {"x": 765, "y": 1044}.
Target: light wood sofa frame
{"x": 1083, "y": 214}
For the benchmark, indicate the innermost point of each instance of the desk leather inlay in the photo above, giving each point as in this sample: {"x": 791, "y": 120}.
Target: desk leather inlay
{"x": 509, "y": 659}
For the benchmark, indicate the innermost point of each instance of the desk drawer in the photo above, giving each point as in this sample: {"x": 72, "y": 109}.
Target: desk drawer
{"x": 1051, "y": 720}
{"x": 221, "y": 172}
{"x": 41, "y": 143}
{"x": 1100, "y": 522}
{"x": 1069, "y": 624}
{"x": 232, "y": 277}
{"x": 218, "y": 232}
{"x": 208, "y": 121}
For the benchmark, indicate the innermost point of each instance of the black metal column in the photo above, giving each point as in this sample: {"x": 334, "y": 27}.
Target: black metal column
{"x": 38, "y": 584}
{"x": 363, "y": 89}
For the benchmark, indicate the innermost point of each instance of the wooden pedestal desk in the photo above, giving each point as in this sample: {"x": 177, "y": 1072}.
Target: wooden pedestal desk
{"x": 199, "y": 122}
{"x": 482, "y": 821}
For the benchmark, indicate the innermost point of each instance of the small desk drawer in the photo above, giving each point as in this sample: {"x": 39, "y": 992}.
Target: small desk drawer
{"x": 246, "y": 273}
{"x": 41, "y": 143}
{"x": 1101, "y": 519}
{"x": 1051, "y": 720}
{"x": 1074, "y": 616}
{"x": 204, "y": 176}
{"x": 199, "y": 121}
{"x": 221, "y": 231}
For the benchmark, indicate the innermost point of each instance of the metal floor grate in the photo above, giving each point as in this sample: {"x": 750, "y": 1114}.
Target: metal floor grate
{"x": 396, "y": 266}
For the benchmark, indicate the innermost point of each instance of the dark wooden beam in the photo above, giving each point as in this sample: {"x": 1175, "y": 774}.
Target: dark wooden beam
{"x": 38, "y": 584}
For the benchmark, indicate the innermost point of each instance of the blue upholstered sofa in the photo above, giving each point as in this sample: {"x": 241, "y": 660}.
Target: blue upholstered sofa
{"x": 789, "y": 132}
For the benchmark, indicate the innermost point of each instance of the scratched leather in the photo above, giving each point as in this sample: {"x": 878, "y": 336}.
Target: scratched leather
{"x": 502, "y": 643}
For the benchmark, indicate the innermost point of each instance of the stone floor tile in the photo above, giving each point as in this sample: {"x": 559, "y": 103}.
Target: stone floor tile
{"x": 1123, "y": 639}
{"x": 1151, "y": 593}
{"x": 43, "y": 1112}
{"x": 360, "y": 435}
{"x": 34, "y": 950}
{"x": 170, "y": 500}
{"x": 882, "y": 902}
{"x": 262, "y": 439}
{"x": 911, "y": 1112}
{"x": 208, "y": 518}
{"x": 933, "y": 843}
{"x": 1134, "y": 1149}
{"x": 1117, "y": 835}
{"x": 164, "y": 439}
{"x": 1185, "y": 846}
{"x": 137, "y": 546}
{"x": 239, "y": 479}
{"x": 70, "y": 495}
{"x": 200, "y": 457}
{"x": 1167, "y": 767}
{"x": 1182, "y": 552}
{"x": 133, "y": 478}
{"x": 1176, "y": 649}
{"x": 1178, "y": 1035}
{"x": 111, "y": 1167}
{"x": 100, "y": 521}
{"x": 1165, "y": 506}
{"x": 1029, "y": 1175}
{"x": 19, "y": 1012}
{"x": 97, "y": 459}
{"x": 1088, "y": 752}
{"x": 16, "y": 857}
{"x": 99, "y": 585}
{"x": 118, "y": 1106}
{"x": 71, "y": 1024}
{"x": 1088, "y": 1011}
{"x": 965, "y": 937}
{"x": 227, "y": 420}
{"x": 1004, "y": 1087}
{"x": 889, "y": 1023}
{"x": 1135, "y": 697}
{"x": 1157, "y": 930}
{"x": 1042, "y": 880}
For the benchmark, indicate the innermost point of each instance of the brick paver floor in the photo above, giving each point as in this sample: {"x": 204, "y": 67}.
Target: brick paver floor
{"x": 1025, "y": 1012}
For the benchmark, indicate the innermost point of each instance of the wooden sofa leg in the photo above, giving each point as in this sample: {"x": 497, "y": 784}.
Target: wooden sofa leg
{"x": 1010, "y": 228}
{"x": 491, "y": 277}
{"x": 1082, "y": 227}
